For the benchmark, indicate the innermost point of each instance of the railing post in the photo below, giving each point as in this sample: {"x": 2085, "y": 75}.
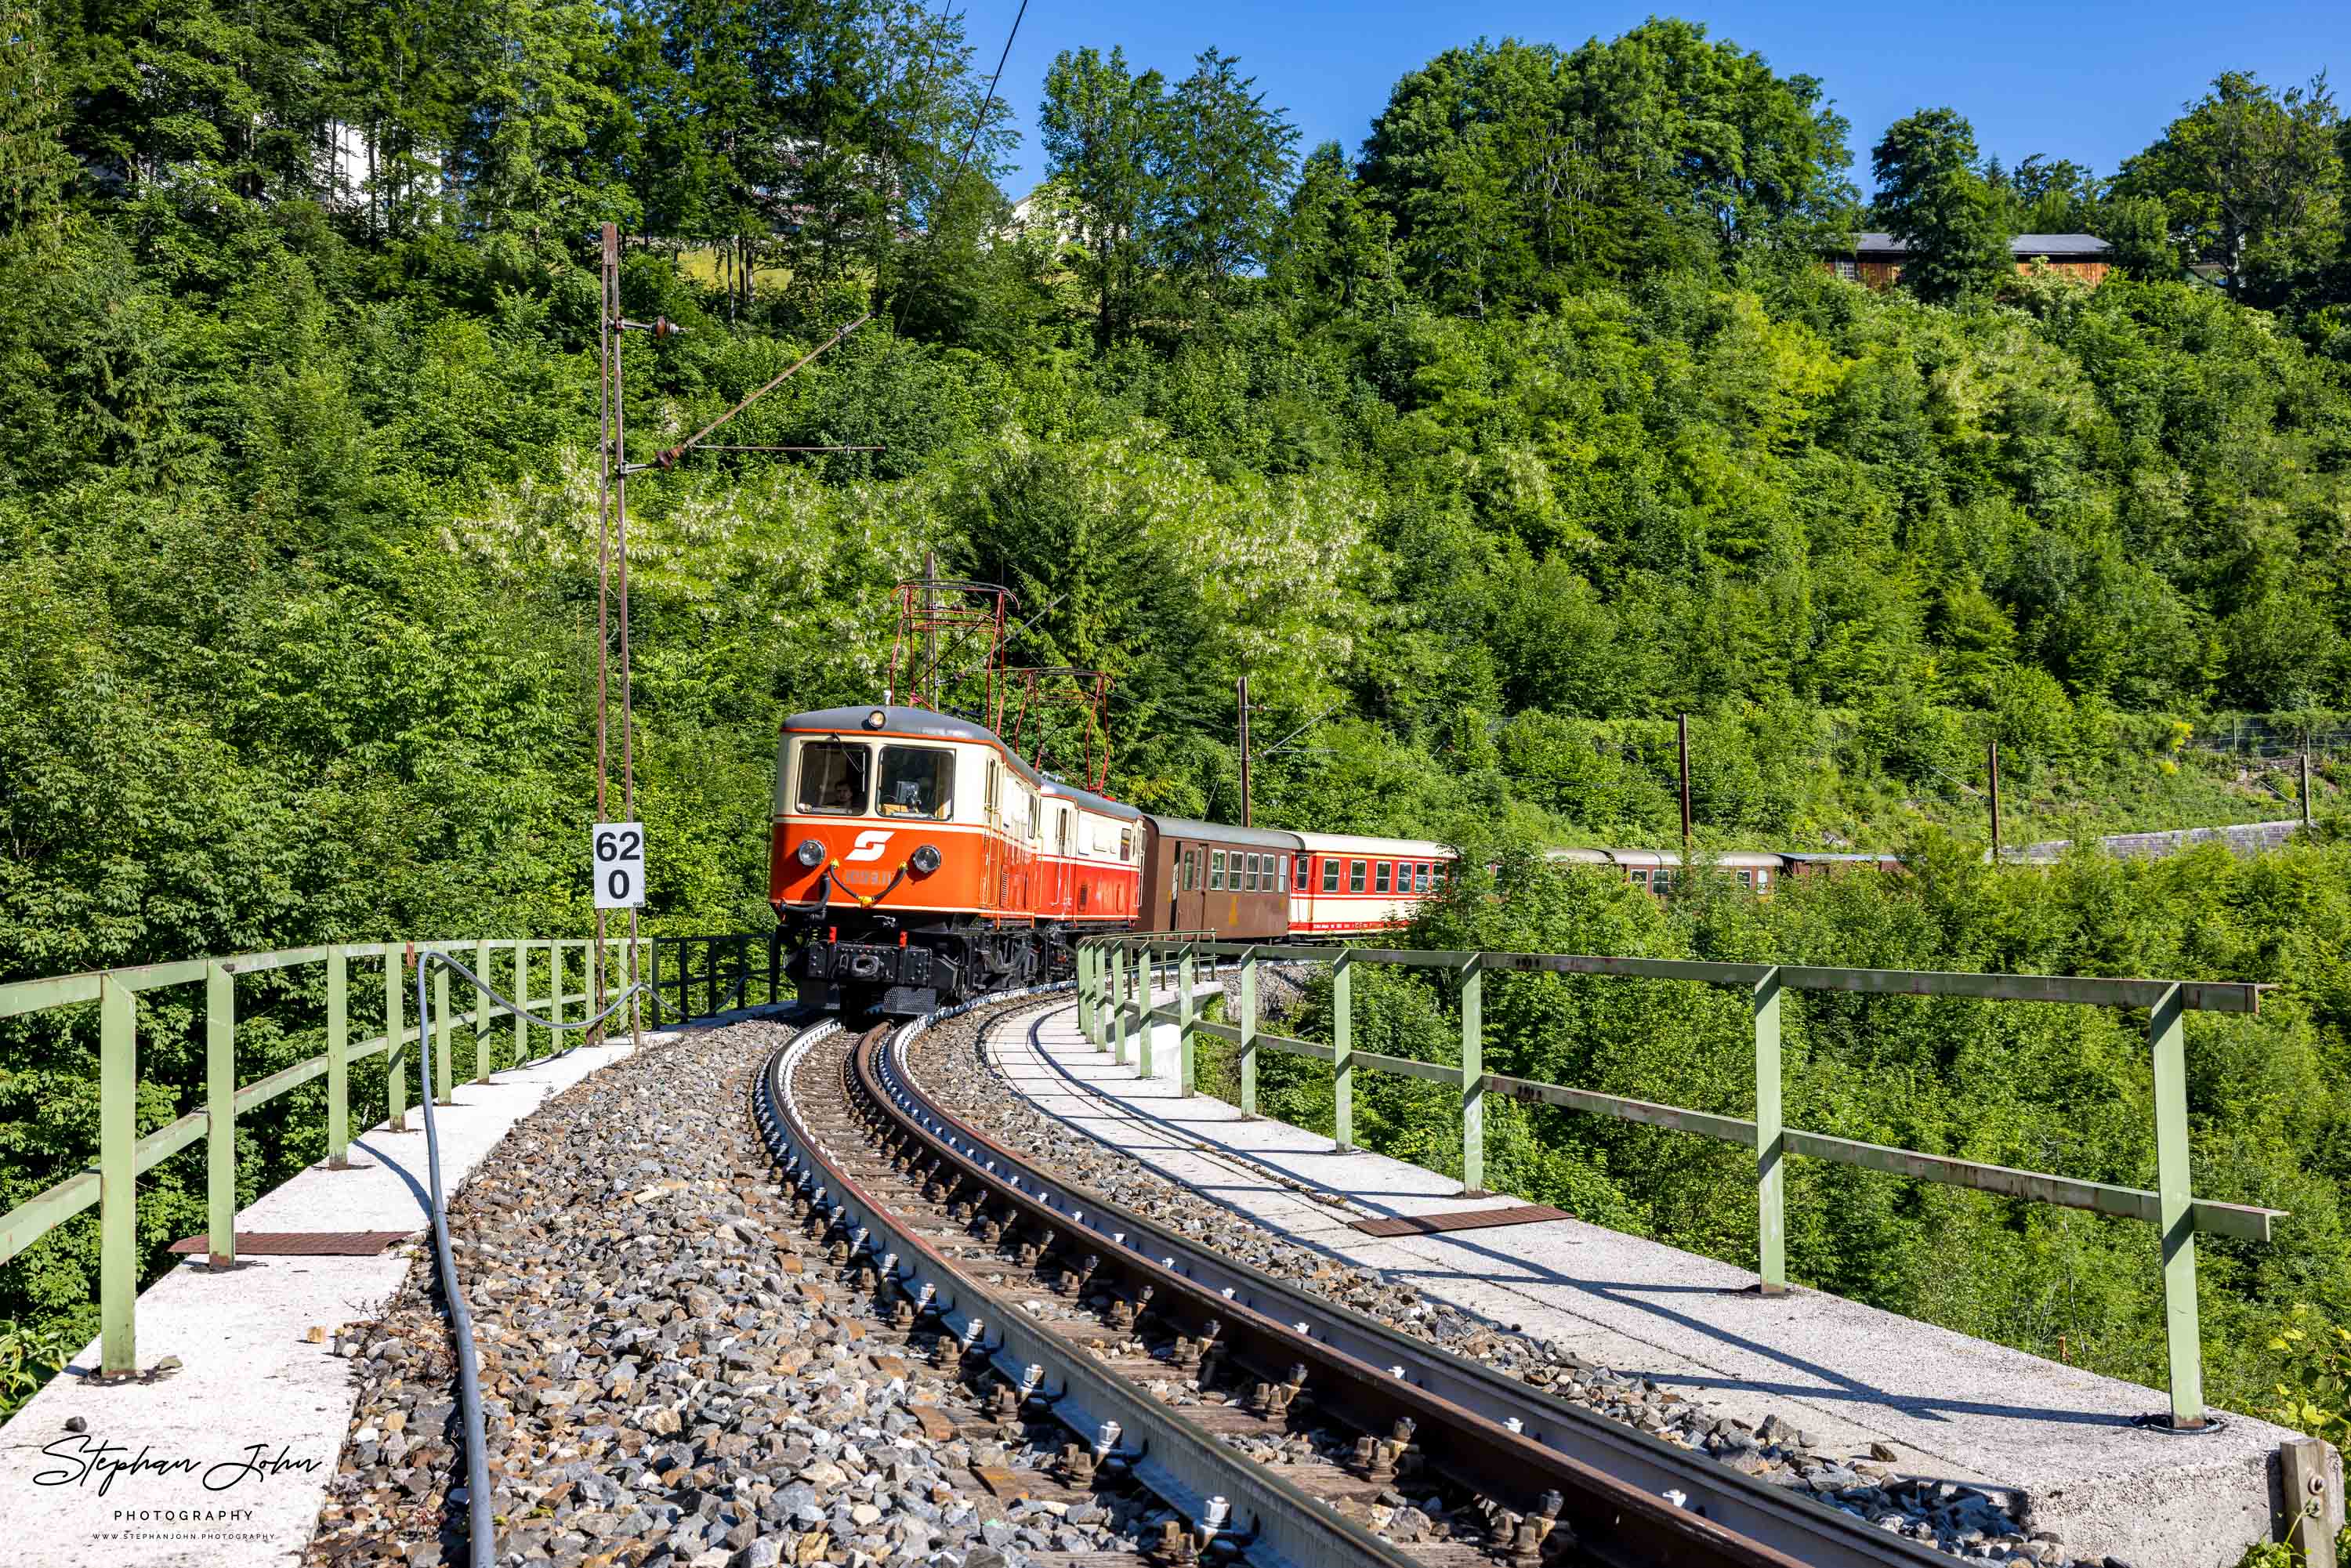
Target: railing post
{"x": 1118, "y": 1002}
{"x": 1771, "y": 1142}
{"x": 1084, "y": 958}
{"x": 1146, "y": 981}
{"x": 555, "y": 995}
{"x": 118, "y": 1169}
{"x": 653, "y": 983}
{"x": 219, "y": 1113}
{"x": 1248, "y": 1032}
{"x": 522, "y": 1002}
{"x": 395, "y": 1024}
{"x": 444, "y": 1039}
{"x": 338, "y": 1067}
{"x": 1184, "y": 1017}
{"x": 1343, "y": 1052}
{"x": 482, "y": 1012}
{"x": 2166, "y": 1041}
{"x": 1473, "y": 1079}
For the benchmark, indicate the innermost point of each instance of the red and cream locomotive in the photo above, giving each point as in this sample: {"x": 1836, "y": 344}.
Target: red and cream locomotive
{"x": 916, "y": 860}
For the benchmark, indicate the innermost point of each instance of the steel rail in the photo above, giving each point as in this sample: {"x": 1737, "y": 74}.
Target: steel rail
{"x": 1275, "y": 1523}
{"x": 1771, "y": 1515}
{"x": 1612, "y": 1521}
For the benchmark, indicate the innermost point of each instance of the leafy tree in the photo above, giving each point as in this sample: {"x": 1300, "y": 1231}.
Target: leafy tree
{"x": 1332, "y": 250}
{"x": 1100, "y": 126}
{"x": 400, "y": 96}
{"x": 1932, "y": 199}
{"x": 1509, "y": 169}
{"x": 2251, "y": 179}
{"x": 1225, "y": 160}
{"x": 35, "y": 170}
{"x": 535, "y": 93}
{"x": 2139, "y": 228}
{"x": 2047, "y": 195}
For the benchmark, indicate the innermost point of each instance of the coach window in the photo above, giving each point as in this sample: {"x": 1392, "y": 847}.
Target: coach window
{"x": 1746, "y": 877}
{"x": 834, "y": 777}
{"x": 1354, "y": 876}
{"x": 1126, "y": 845}
{"x": 916, "y": 781}
{"x": 1216, "y": 871}
{"x": 1380, "y": 877}
{"x": 1300, "y": 873}
{"x": 1330, "y": 875}
{"x": 1281, "y": 873}
{"x": 1420, "y": 878}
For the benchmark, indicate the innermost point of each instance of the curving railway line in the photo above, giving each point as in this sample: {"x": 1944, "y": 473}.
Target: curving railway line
{"x": 1271, "y": 1419}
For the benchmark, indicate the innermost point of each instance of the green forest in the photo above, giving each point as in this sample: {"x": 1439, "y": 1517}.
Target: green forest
{"x": 1484, "y": 448}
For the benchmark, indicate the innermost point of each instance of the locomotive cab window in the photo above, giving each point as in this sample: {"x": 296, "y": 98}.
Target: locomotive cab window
{"x": 916, "y": 781}
{"x": 834, "y": 777}
{"x": 1330, "y": 875}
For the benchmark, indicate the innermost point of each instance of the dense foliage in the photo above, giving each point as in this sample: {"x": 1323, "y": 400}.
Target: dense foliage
{"x": 1482, "y": 454}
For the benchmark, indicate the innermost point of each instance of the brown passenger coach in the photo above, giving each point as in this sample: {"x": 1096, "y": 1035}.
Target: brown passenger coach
{"x": 1207, "y": 876}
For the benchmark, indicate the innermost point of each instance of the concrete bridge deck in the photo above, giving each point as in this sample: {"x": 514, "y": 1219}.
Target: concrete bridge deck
{"x": 1952, "y": 1408}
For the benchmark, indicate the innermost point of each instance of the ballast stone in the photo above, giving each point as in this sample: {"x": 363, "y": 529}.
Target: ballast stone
{"x": 655, "y": 1391}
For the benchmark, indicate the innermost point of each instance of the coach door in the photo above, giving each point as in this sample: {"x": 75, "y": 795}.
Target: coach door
{"x": 1062, "y": 815}
{"x": 991, "y": 853}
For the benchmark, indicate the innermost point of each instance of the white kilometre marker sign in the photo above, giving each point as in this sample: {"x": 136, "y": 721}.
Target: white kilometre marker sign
{"x": 617, "y": 851}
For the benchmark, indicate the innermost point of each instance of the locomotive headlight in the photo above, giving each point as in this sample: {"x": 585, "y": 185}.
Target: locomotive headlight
{"x": 926, "y": 858}
{"x": 810, "y": 853}
{"x": 876, "y": 720}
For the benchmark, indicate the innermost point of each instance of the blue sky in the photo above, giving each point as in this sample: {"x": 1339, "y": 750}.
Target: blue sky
{"x": 2093, "y": 80}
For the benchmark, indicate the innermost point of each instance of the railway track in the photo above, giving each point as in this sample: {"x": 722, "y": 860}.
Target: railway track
{"x": 1282, "y": 1425}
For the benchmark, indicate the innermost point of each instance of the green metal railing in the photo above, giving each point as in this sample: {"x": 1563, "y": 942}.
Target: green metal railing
{"x": 1112, "y": 1001}
{"x": 111, "y": 1183}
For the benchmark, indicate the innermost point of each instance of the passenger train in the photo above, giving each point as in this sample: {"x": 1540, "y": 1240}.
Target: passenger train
{"x": 915, "y": 859}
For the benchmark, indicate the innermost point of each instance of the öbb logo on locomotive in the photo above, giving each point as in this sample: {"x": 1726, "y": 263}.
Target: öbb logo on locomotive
{"x": 870, "y": 845}
{"x": 916, "y": 860}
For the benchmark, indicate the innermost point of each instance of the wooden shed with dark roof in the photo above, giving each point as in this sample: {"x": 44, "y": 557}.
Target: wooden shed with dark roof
{"x": 1876, "y": 259}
